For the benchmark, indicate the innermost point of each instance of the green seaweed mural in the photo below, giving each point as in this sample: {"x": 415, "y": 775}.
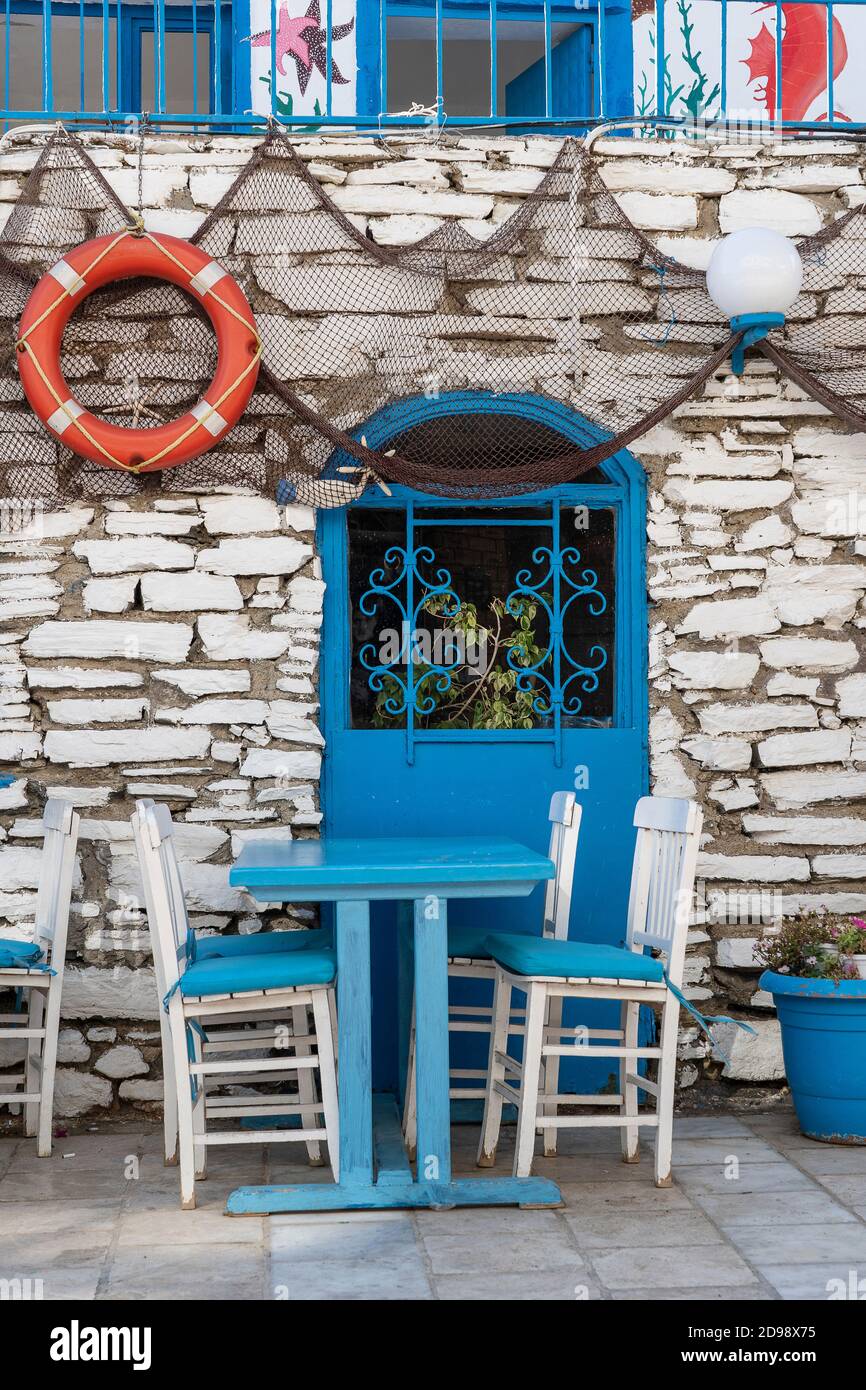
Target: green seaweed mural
{"x": 692, "y": 101}
{"x": 284, "y": 104}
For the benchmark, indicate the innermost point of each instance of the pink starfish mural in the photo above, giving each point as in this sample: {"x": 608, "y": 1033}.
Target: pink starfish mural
{"x": 304, "y": 39}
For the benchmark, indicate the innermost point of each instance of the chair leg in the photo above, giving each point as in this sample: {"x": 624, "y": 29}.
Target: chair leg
{"x": 183, "y": 1095}
{"x": 665, "y": 1100}
{"x": 306, "y": 1080}
{"x": 51, "y": 1023}
{"x": 199, "y": 1121}
{"x": 410, "y": 1115}
{"x": 530, "y": 1080}
{"x": 169, "y": 1095}
{"x": 630, "y": 1134}
{"x": 34, "y": 1050}
{"x": 551, "y": 1074}
{"x": 493, "y": 1099}
{"x": 328, "y": 1075}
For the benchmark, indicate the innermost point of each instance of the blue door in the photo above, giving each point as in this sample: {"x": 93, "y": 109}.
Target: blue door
{"x": 572, "y": 84}
{"x": 478, "y": 657}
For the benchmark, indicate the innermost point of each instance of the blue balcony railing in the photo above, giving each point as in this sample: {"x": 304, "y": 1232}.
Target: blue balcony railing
{"x": 513, "y": 64}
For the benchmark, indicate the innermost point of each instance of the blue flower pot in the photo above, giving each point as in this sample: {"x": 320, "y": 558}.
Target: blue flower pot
{"x": 824, "y": 1044}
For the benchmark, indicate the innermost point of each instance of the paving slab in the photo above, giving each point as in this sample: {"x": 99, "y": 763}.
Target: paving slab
{"x": 673, "y": 1266}
{"x": 763, "y": 1209}
{"x": 834, "y": 1280}
{"x": 751, "y": 1177}
{"x": 554, "y": 1286}
{"x": 599, "y": 1229}
{"x": 801, "y": 1244}
{"x": 182, "y": 1271}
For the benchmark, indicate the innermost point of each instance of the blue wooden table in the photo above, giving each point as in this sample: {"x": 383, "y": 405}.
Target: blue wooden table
{"x": 374, "y": 1167}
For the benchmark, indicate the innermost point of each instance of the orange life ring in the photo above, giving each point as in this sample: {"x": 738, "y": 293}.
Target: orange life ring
{"x": 93, "y": 264}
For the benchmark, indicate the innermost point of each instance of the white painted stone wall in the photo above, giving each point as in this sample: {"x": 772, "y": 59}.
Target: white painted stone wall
{"x": 172, "y": 649}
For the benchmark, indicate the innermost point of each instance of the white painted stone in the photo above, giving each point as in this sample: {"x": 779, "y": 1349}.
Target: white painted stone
{"x": 98, "y": 748}
{"x": 741, "y": 719}
{"x": 144, "y": 1093}
{"x": 239, "y": 516}
{"x": 740, "y": 496}
{"x": 806, "y": 830}
{"x": 71, "y": 1047}
{"x": 82, "y": 712}
{"x": 110, "y": 595}
{"x": 813, "y": 654}
{"x": 669, "y": 777}
{"x": 134, "y": 553}
{"x": 95, "y": 991}
{"x": 204, "y": 681}
{"x": 781, "y": 211}
{"x": 256, "y": 555}
{"x": 51, "y": 525}
{"x": 193, "y": 593}
{"x": 221, "y": 712}
{"x": 751, "y": 1057}
{"x": 151, "y": 523}
{"x": 783, "y": 683}
{"x": 852, "y": 696}
{"x": 137, "y": 641}
{"x": 804, "y": 594}
{"x": 839, "y": 866}
{"x": 763, "y": 534}
{"x": 77, "y": 1092}
{"x": 737, "y": 953}
{"x": 122, "y": 1061}
{"x": 659, "y": 212}
{"x": 643, "y": 176}
{"x": 796, "y": 750}
{"x": 753, "y": 868}
{"x": 282, "y": 764}
{"x": 719, "y": 754}
{"x": 795, "y": 791}
{"x": 741, "y": 617}
{"x": 713, "y": 670}
{"x": 229, "y": 637}
{"x": 19, "y": 747}
{"x": 79, "y": 677}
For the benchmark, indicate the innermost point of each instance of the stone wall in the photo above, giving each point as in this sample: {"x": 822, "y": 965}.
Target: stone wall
{"x": 171, "y": 649}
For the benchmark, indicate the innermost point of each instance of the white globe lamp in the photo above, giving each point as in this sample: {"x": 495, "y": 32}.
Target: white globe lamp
{"x": 754, "y": 276}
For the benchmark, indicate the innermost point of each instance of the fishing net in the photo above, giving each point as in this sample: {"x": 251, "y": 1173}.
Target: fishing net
{"x": 565, "y": 301}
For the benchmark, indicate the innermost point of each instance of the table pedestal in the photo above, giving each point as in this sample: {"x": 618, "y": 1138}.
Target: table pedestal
{"x": 374, "y": 1167}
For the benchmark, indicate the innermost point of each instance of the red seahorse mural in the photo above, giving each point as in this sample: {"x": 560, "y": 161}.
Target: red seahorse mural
{"x": 804, "y": 60}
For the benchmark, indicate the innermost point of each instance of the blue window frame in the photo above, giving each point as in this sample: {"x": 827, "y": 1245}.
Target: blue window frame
{"x": 577, "y": 58}
{"x": 106, "y": 75}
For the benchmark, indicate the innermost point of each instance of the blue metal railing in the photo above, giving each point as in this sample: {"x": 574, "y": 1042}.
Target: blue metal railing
{"x": 577, "y": 60}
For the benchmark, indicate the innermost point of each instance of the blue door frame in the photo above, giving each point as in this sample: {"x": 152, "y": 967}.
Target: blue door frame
{"x": 371, "y": 786}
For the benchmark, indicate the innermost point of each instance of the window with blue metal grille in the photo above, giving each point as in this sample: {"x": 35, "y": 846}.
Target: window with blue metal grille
{"x": 482, "y": 617}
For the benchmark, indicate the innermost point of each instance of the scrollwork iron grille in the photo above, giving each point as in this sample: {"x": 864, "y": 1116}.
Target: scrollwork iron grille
{"x": 554, "y": 676}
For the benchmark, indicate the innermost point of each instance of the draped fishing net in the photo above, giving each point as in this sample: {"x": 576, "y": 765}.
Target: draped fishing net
{"x": 566, "y": 300}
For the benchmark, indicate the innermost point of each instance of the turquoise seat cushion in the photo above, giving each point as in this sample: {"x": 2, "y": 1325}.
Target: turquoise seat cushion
{"x": 468, "y": 941}
{"x": 580, "y": 960}
{"x": 261, "y": 943}
{"x": 18, "y": 955}
{"x": 267, "y": 970}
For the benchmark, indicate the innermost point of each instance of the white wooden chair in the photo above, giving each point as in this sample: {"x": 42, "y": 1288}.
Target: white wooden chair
{"x": 36, "y": 969}
{"x": 196, "y": 996}
{"x": 660, "y": 903}
{"x": 469, "y": 958}
{"x": 258, "y": 1031}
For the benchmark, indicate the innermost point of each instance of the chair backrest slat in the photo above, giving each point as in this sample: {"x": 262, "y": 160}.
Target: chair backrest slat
{"x": 663, "y": 877}
{"x": 565, "y": 813}
{"x": 163, "y": 891}
{"x": 56, "y": 875}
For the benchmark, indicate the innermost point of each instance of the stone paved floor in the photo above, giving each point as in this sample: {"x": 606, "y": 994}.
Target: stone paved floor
{"x": 756, "y": 1212}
